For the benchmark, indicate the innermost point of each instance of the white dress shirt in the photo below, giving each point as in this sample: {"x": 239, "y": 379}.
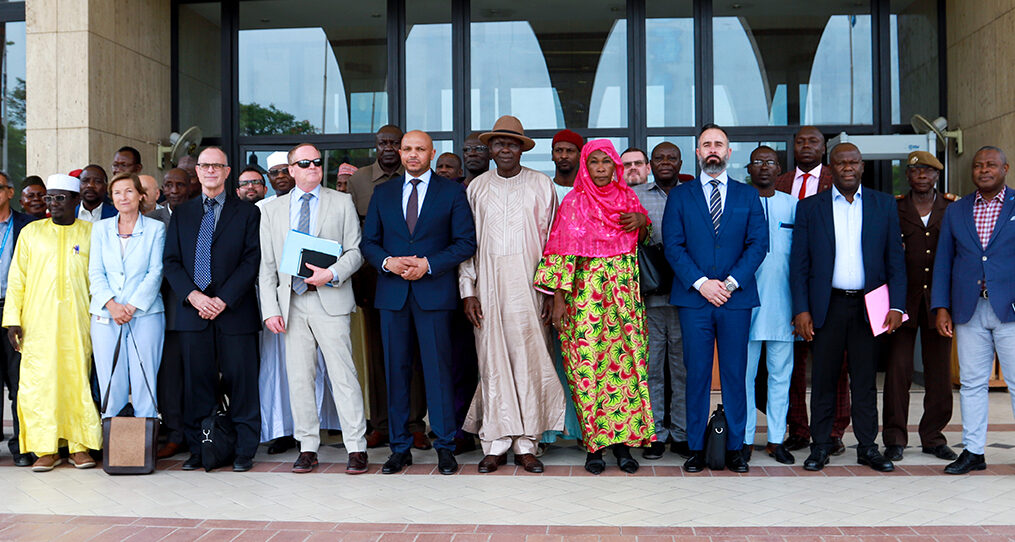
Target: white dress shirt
{"x": 812, "y": 182}
{"x": 92, "y": 216}
{"x": 296, "y": 204}
{"x": 420, "y": 191}
{"x": 847, "y": 271}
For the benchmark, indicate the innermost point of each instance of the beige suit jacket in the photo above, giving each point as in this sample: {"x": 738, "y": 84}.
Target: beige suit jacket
{"x": 336, "y": 220}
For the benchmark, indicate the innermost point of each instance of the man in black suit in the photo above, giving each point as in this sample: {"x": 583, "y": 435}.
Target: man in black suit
{"x": 11, "y": 223}
{"x": 846, "y": 241}
{"x": 211, "y": 261}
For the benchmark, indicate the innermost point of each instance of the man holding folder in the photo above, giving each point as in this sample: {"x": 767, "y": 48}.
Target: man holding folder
{"x": 314, "y": 310}
{"x": 846, "y": 241}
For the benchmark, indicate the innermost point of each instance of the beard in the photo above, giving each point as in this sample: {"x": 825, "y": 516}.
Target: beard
{"x": 712, "y": 165}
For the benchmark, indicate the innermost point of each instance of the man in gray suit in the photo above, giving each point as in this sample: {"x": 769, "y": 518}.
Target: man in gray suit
{"x": 314, "y": 311}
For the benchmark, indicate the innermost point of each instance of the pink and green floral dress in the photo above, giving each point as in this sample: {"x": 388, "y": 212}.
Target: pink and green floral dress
{"x": 605, "y": 345}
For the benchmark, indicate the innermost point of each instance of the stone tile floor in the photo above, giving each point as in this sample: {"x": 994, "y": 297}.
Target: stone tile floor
{"x": 772, "y": 502}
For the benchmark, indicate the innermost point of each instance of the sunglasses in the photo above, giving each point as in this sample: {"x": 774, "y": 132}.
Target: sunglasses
{"x": 304, "y": 164}
{"x": 275, "y": 172}
{"x": 59, "y": 198}
{"x": 249, "y": 182}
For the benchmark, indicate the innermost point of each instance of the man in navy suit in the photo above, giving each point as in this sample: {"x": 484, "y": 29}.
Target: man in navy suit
{"x": 973, "y": 292}
{"x": 10, "y": 359}
{"x": 846, "y": 242}
{"x": 715, "y": 236}
{"x": 418, "y": 229}
{"x": 212, "y": 257}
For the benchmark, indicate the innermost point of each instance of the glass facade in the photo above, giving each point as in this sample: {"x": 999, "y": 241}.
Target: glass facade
{"x": 12, "y": 113}
{"x": 260, "y": 75}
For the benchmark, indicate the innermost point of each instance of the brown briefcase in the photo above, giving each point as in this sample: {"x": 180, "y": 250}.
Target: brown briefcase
{"x": 129, "y": 444}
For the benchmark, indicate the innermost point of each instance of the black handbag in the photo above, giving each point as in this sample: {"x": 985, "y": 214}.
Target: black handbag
{"x": 654, "y": 271}
{"x": 218, "y": 438}
{"x": 129, "y": 444}
{"x": 715, "y": 440}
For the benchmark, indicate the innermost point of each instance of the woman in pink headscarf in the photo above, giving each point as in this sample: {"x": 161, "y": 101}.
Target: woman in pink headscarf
{"x": 590, "y": 263}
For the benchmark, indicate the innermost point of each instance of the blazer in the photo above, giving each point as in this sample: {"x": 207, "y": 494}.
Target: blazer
{"x": 962, "y": 264}
{"x": 694, "y": 249}
{"x": 336, "y": 220}
{"x": 133, "y": 278}
{"x": 445, "y": 234}
{"x": 784, "y": 182}
{"x": 161, "y": 214}
{"x": 235, "y": 257}
{"x": 920, "y": 244}
{"x": 812, "y": 256}
{"x": 20, "y": 220}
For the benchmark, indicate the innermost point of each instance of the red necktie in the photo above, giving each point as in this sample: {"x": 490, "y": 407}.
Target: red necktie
{"x": 803, "y": 186}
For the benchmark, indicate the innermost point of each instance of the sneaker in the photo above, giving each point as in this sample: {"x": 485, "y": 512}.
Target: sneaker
{"x": 81, "y": 460}
{"x": 47, "y": 463}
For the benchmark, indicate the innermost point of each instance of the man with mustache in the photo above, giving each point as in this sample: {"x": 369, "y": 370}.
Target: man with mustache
{"x": 566, "y": 148}
{"x": 94, "y": 205}
{"x": 32, "y": 192}
{"x": 715, "y": 236}
{"x": 476, "y": 157}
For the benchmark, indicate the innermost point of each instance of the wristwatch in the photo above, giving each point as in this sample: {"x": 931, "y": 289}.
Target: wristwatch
{"x": 730, "y": 286}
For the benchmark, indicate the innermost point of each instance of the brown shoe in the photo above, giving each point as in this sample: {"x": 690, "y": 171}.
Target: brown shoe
{"x": 169, "y": 450}
{"x": 420, "y": 441}
{"x": 81, "y": 460}
{"x": 305, "y": 462}
{"x": 529, "y": 462}
{"x": 47, "y": 463}
{"x": 376, "y": 439}
{"x": 491, "y": 462}
{"x": 357, "y": 463}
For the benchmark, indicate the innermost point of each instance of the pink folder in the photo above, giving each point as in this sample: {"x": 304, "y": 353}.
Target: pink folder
{"x": 877, "y": 309}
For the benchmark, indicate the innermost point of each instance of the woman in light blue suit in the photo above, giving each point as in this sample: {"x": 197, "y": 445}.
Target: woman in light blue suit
{"x": 125, "y": 270}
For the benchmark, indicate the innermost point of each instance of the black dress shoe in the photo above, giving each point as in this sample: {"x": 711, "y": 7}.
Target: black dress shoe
{"x": 281, "y": 445}
{"x": 780, "y": 453}
{"x": 192, "y": 463}
{"x": 796, "y": 442}
{"x": 625, "y": 462}
{"x": 873, "y": 459}
{"x": 941, "y": 451}
{"x": 838, "y": 448}
{"x": 594, "y": 463}
{"x": 966, "y": 462}
{"x": 396, "y": 462}
{"x": 817, "y": 460}
{"x": 747, "y": 451}
{"x": 23, "y": 460}
{"x": 681, "y": 448}
{"x": 695, "y": 463}
{"x": 654, "y": 451}
{"x": 243, "y": 463}
{"x": 735, "y": 461}
{"x": 446, "y": 463}
{"x": 894, "y": 452}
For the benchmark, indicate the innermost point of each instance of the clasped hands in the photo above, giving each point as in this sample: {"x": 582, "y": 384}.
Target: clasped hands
{"x": 714, "y": 291}
{"x": 407, "y": 267}
{"x": 207, "y": 307}
{"x": 121, "y": 313}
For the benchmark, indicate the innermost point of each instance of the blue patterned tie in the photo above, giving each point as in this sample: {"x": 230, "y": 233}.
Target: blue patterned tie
{"x": 303, "y": 226}
{"x": 715, "y": 205}
{"x": 202, "y": 254}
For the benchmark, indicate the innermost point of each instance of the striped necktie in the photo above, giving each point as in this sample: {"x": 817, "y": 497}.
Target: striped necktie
{"x": 715, "y": 205}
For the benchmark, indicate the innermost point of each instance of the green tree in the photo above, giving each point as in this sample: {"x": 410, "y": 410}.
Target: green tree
{"x": 16, "y": 154}
{"x": 255, "y": 119}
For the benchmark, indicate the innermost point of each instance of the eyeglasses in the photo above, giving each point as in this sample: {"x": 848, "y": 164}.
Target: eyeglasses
{"x": 249, "y": 182}
{"x": 275, "y": 172}
{"x": 475, "y": 148}
{"x": 213, "y": 167}
{"x": 304, "y": 164}
{"x": 59, "y": 198}
{"x": 768, "y": 163}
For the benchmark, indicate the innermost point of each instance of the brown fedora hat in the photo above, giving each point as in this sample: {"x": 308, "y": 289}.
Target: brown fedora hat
{"x": 508, "y": 126}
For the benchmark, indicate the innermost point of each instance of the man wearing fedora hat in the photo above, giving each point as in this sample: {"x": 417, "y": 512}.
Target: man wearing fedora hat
{"x": 519, "y": 394}
{"x": 920, "y": 213}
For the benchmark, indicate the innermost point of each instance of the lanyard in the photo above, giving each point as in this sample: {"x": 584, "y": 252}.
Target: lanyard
{"x": 7, "y": 234}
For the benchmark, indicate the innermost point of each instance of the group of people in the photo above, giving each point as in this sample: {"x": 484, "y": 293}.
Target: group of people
{"x": 502, "y": 304}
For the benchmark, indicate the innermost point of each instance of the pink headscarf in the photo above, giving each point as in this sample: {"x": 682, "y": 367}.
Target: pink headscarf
{"x": 588, "y": 222}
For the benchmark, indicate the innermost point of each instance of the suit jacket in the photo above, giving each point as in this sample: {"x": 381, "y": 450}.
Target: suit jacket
{"x": 20, "y": 220}
{"x": 235, "y": 256}
{"x": 920, "y": 244}
{"x": 133, "y": 278}
{"x": 962, "y": 263}
{"x": 336, "y": 220}
{"x": 445, "y": 234}
{"x": 694, "y": 249}
{"x": 784, "y": 183}
{"x": 813, "y": 252}
{"x": 108, "y": 209}
{"x": 161, "y": 214}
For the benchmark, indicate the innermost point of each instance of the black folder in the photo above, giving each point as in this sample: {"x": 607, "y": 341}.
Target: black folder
{"x": 313, "y": 257}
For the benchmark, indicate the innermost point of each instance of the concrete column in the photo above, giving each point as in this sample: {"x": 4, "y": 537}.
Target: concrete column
{"x": 98, "y": 76}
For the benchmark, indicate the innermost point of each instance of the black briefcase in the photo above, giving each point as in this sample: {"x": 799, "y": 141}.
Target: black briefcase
{"x": 715, "y": 440}
{"x": 218, "y": 439}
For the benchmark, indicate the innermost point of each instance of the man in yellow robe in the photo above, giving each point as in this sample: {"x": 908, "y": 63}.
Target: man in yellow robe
{"x": 46, "y": 314}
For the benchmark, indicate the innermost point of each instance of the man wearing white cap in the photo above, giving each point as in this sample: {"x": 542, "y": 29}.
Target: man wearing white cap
{"x": 278, "y": 176}
{"x": 46, "y": 315}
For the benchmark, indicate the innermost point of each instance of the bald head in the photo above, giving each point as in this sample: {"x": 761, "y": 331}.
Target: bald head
{"x": 151, "y": 196}
{"x": 416, "y": 152}
{"x": 847, "y": 168}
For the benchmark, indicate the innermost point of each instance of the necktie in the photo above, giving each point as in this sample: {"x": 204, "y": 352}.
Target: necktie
{"x": 202, "y": 253}
{"x": 412, "y": 208}
{"x": 803, "y": 186}
{"x": 303, "y": 226}
{"x": 715, "y": 205}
